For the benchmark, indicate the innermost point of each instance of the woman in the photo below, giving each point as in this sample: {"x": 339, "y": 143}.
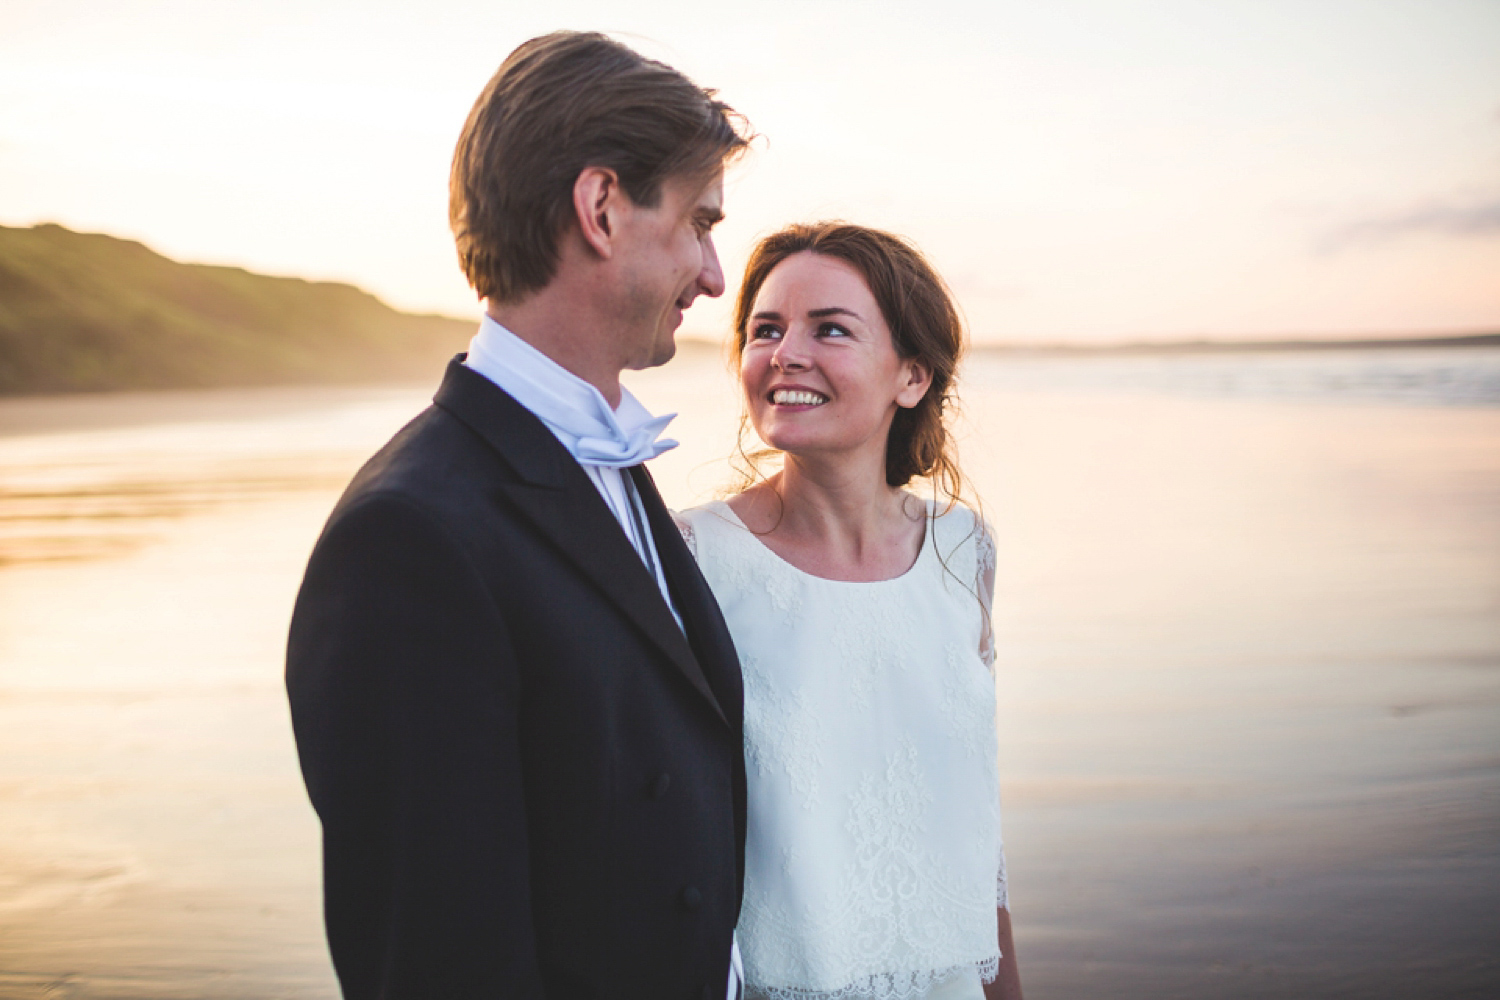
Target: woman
{"x": 860, "y": 611}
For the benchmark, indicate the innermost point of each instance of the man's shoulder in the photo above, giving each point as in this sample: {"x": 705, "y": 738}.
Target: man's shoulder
{"x": 431, "y": 462}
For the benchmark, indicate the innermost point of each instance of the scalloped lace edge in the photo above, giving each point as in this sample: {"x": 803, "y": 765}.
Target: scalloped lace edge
{"x": 884, "y": 985}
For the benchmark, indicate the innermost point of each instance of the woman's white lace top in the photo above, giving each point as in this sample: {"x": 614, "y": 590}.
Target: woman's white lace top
{"x": 874, "y": 864}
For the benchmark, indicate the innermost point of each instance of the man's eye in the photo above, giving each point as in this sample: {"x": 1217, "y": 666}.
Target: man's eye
{"x": 765, "y": 331}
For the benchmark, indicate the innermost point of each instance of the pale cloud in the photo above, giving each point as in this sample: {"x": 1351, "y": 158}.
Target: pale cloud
{"x": 1459, "y": 219}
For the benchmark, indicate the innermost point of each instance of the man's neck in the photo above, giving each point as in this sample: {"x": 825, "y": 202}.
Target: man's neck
{"x": 555, "y": 332}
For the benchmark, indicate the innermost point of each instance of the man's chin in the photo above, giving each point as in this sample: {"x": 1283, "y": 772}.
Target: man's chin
{"x": 662, "y": 351}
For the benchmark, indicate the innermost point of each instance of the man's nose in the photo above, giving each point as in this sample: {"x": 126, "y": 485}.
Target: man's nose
{"x": 711, "y": 277}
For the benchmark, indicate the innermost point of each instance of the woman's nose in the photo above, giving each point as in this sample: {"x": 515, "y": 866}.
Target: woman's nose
{"x": 788, "y": 355}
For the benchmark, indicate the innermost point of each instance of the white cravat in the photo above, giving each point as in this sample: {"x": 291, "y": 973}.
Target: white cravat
{"x": 593, "y": 432}
{"x": 604, "y": 440}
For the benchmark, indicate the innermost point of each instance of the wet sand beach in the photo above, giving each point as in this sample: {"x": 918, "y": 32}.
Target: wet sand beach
{"x": 1249, "y": 623}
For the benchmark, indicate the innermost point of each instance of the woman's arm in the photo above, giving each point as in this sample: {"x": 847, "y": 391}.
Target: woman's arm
{"x": 1007, "y": 985}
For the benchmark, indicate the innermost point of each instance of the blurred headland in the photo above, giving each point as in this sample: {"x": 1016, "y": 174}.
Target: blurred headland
{"x": 89, "y": 312}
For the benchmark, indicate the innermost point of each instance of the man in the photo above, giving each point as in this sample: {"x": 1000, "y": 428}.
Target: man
{"x": 516, "y": 704}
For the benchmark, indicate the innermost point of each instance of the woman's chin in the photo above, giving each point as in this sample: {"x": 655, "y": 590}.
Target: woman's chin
{"x": 789, "y": 442}
{"x": 799, "y": 446}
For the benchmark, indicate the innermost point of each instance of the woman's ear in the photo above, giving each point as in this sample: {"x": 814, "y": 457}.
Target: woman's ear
{"x": 917, "y": 379}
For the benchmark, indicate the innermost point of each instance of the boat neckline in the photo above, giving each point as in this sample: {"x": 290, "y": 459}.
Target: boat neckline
{"x": 927, "y": 533}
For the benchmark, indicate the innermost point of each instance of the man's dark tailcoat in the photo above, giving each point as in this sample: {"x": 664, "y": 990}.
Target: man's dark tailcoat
{"x": 531, "y": 782}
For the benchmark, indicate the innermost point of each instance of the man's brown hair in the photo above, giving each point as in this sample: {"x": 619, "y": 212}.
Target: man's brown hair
{"x": 558, "y": 104}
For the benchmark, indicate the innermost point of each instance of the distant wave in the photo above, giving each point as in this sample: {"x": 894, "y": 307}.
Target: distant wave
{"x": 1426, "y": 377}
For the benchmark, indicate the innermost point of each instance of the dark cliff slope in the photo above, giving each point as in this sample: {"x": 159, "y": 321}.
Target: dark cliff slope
{"x": 82, "y": 312}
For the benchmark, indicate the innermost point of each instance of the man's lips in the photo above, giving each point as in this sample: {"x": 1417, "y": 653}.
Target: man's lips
{"x": 681, "y": 306}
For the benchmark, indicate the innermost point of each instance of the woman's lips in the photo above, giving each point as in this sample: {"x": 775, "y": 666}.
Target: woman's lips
{"x": 805, "y": 398}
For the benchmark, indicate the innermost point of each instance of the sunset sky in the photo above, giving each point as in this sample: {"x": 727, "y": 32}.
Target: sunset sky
{"x": 1080, "y": 171}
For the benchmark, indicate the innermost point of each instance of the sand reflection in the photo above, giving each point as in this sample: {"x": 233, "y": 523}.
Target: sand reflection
{"x": 1250, "y": 675}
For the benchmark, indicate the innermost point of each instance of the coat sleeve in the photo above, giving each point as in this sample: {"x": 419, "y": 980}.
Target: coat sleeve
{"x": 404, "y": 689}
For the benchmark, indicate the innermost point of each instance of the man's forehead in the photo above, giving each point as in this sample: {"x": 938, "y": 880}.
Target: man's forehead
{"x": 694, "y": 196}
{"x": 711, "y": 197}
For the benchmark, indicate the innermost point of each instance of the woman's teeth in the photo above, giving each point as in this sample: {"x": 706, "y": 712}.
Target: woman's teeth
{"x": 797, "y": 397}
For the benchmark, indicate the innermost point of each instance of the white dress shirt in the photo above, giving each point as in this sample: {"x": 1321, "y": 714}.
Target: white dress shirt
{"x": 604, "y": 440}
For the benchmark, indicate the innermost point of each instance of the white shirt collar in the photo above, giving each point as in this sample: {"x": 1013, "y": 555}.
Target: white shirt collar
{"x": 573, "y": 410}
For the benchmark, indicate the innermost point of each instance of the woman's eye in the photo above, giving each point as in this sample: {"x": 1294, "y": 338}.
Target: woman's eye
{"x": 765, "y": 332}
{"x": 832, "y": 330}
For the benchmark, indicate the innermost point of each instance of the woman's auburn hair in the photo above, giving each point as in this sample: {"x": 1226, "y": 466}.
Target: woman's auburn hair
{"x": 924, "y": 322}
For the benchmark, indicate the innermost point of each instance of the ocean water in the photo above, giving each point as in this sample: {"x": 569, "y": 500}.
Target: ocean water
{"x": 1249, "y": 622}
{"x": 1458, "y": 376}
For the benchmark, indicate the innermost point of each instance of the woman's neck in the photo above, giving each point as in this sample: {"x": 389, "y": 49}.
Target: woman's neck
{"x": 823, "y": 498}
{"x": 834, "y": 520}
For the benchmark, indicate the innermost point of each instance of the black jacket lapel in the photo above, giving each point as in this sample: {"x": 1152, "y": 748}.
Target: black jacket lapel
{"x": 700, "y": 613}
{"x": 557, "y": 497}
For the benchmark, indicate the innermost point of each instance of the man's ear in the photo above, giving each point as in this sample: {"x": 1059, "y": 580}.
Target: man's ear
{"x": 917, "y": 380}
{"x": 596, "y": 204}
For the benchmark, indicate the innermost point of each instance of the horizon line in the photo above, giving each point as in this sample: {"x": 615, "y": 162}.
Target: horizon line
{"x": 1488, "y": 338}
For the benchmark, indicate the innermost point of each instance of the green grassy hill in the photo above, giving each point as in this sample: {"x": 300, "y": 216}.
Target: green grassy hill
{"x": 82, "y": 312}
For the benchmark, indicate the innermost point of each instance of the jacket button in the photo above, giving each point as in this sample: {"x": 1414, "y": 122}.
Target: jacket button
{"x": 660, "y": 785}
{"x": 691, "y": 899}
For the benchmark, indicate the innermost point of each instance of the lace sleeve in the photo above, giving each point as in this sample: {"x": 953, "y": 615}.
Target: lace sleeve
{"x": 984, "y": 586}
{"x": 1002, "y": 894}
{"x": 688, "y": 534}
{"x": 984, "y": 583}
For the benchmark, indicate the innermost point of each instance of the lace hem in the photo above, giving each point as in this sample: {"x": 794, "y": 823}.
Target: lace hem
{"x": 907, "y": 985}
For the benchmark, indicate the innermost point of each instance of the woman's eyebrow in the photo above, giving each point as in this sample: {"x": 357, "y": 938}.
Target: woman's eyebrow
{"x": 812, "y": 313}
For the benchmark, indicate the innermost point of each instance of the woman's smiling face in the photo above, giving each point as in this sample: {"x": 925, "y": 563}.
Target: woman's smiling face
{"x": 819, "y": 368}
